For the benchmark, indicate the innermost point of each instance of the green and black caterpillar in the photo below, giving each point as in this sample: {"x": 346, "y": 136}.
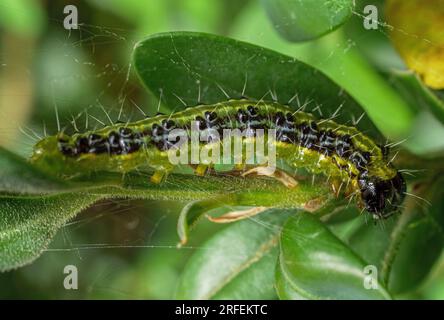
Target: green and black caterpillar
{"x": 321, "y": 146}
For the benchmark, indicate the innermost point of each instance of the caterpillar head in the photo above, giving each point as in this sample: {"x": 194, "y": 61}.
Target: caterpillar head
{"x": 382, "y": 197}
{"x": 47, "y": 156}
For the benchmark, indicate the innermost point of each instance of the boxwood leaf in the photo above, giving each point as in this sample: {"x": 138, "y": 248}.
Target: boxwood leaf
{"x": 34, "y": 205}
{"x": 317, "y": 265}
{"x": 190, "y": 67}
{"x": 27, "y": 224}
{"x": 236, "y": 263}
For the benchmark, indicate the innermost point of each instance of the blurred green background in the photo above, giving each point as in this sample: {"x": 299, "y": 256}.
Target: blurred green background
{"x": 127, "y": 249}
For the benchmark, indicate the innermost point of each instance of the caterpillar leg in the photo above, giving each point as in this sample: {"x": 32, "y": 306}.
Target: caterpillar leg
{"x": 159, "y": 176}
{"x": 240, "y": 167}
{"x": 277, "y": 174}
{"x": 201, "y": 169}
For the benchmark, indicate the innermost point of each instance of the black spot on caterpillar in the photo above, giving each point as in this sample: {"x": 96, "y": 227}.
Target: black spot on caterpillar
{"x": 318, "y": 145}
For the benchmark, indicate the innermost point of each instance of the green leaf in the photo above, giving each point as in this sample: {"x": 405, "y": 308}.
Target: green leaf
{"x": 284, "y": 289}
{"x": 27, "y": 224}
{"x": 189, "y": 65}
{"x": 236, "y": 263}
{"x": 317, "y": 265}
{"x": 34, "y": 204}
{"x": 301, "y": 20}
{"x": 194, "y": 211}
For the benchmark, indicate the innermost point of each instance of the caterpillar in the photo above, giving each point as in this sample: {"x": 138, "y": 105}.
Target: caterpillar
{"x": 321, "y": 146}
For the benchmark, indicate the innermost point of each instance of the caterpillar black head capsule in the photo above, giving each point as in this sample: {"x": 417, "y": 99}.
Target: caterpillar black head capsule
{"x": 382, "y": 197}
